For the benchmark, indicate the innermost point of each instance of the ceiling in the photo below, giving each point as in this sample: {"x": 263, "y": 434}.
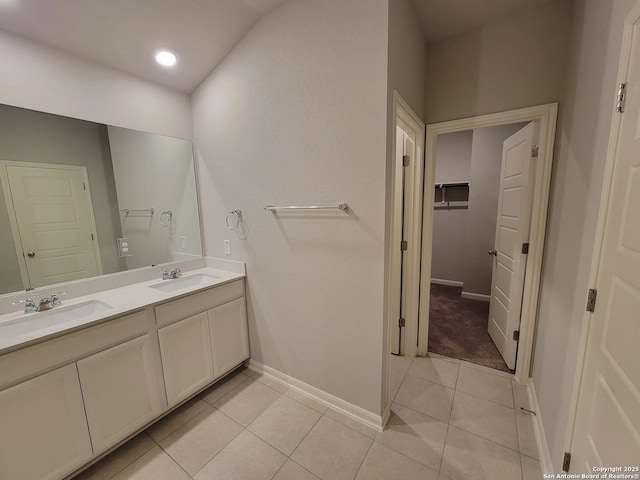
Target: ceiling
{"x": 445, "y": 18}
{"x": 124, "y": 34}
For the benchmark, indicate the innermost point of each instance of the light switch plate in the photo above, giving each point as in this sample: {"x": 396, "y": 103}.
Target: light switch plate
{"x": 227, "y": 247}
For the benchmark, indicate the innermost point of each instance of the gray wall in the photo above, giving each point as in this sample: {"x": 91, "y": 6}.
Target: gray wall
{"x": 407, "y": 71}
{"x": 296, "y": 114}
{"x": 486, "y": 163}
{"x": 582, "y": 140}
{"x": 517, "y": 62}
{"x": 29, "y": 136}
{"x": 166, "y": 165}
{"x": 453, "y": 164}
{"x": 49, "y": 80}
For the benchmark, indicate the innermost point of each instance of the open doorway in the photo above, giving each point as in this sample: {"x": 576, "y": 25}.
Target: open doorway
{"x": 544, "y": 119}
{"x": 482, "y": 198}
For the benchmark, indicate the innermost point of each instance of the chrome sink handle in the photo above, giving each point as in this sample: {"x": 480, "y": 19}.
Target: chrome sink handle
{"x": 29, "y": 305}
{"x": 55, "y": 298}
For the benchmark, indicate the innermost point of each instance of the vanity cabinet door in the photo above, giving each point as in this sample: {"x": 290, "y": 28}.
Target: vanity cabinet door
{"x": 229, "y": 335}
{"x": 43, "y": 429}
{"x": 122, "y": 391}
{"x": 186, "y": 357}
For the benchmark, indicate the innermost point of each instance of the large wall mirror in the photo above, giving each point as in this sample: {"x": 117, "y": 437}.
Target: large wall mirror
{"x": 80, "y": 199}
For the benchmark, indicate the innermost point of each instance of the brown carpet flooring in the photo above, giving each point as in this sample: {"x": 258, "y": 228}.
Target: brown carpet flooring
{"x": 458, "y": 328}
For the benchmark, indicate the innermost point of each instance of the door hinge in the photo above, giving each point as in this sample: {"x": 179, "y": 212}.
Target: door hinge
{"x": 404, "y": 245}
{"x": 591, "y": 300}
{"x": 84, "y": 186}
{"x": 516, "y": 335}
{"x": 566, "y": 462}
{"x": 405, "y": 160}
{"x": 535, "y": 151}
{"x": 622, "y": 97}
{"x": 525, "y": 248}
{"x": 401, "y": 322}
{"x": 92, "y": 237}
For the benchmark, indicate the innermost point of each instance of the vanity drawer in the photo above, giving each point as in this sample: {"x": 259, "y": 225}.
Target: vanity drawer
{"x": 198, "y": 302}
{"x": 68, "y": 348}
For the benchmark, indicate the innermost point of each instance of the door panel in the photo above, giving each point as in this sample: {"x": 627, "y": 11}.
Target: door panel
{"x": 43, "y": 429}
{"x": 121, "y": 391}
{"x": 404, "y": 146}
{"x": 607, "y": 427}
{"x": 55, "y": 222}
{"x": 185, "y": 347}
{"x": 512, "y": 230}
{"x": 229, "y": 335}
{"x": 396, "y": 274}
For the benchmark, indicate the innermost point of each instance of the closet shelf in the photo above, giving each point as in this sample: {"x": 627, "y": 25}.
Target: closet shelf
{"x": 453, "y": 184}
{"x": 451, "y": 195}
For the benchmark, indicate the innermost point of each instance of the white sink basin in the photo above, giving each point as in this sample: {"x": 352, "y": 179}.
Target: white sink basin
{"x": 190, "y": 281}
{"x": 32, "y": 322}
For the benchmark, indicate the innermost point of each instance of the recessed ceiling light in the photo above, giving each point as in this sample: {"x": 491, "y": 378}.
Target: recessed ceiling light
{"x": 166, "y": 58}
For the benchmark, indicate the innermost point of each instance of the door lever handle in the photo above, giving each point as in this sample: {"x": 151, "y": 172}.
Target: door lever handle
{"x": 493, "y": 252}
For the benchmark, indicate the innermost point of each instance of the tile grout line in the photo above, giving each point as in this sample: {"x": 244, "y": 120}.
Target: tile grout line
{"x": 363, "y": 459}
{"x": 485, "y": 399}
{"x": 515, "y": 417}
{"x": 136, "y": 458}
{"x": 446, "y": 436}
{"x": 303, "y": 439}
{"x": 406, "y": 372}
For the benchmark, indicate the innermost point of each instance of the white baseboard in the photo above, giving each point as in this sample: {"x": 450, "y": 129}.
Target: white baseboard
{"x": 538, "y": 427}
{"x": 476, "y": 296}
{"x": 355, "y": 412}
{"x": 448, "y": 283}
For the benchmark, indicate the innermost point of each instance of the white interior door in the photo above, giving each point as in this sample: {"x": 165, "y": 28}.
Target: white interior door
{"x": 512, "y": 231}
{"x": 396, "y": 274}
{"x": 607, "y": 431}
{"x": 405, "y": 149}
{"x": 55, "y": 222}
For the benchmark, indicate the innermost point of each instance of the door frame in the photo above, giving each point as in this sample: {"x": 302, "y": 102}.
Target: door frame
{"x": 13, "y": 219}
{"x": 403, "y": 114}
{"x": 547, "y": 116}
{"x": 631, "y": 22}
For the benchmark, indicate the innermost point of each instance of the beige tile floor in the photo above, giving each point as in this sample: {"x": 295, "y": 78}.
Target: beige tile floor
{"x": 450, "y": 420}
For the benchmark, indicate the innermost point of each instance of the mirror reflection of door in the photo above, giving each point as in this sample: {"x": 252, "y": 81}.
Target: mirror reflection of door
{"x": 52, "y": 220}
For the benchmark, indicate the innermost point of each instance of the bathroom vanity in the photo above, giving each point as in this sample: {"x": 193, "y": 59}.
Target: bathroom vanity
{"x": 74, "y": 385}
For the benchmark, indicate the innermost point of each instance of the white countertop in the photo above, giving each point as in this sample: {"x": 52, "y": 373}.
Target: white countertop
{"x": 109, "y": 304}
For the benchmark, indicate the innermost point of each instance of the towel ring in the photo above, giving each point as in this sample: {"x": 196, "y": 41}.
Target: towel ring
{"x": 236, "y": 218}
{"x": 166, "y": 217}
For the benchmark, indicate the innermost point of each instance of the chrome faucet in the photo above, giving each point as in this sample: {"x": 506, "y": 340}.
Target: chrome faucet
{"x": 45, "y": 303}
{"x": 172, "y": 274}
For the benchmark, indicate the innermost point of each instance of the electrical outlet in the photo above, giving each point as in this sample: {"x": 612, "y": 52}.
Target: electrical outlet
{"x": 227, "y": 247}
{"x": 124, "y": 247}
{"x": 183, "y": 241}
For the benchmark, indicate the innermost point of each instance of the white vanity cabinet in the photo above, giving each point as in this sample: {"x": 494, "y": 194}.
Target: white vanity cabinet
{"x": 185, "y": 348}
{"x": 229, "y": 335}
{"x": 202, "y": 336}
{"x": 52, "y": 393}
{"x": 122, "y": 391}
{"x": 43, "y": 429}
{"x": 72, "y": 397}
